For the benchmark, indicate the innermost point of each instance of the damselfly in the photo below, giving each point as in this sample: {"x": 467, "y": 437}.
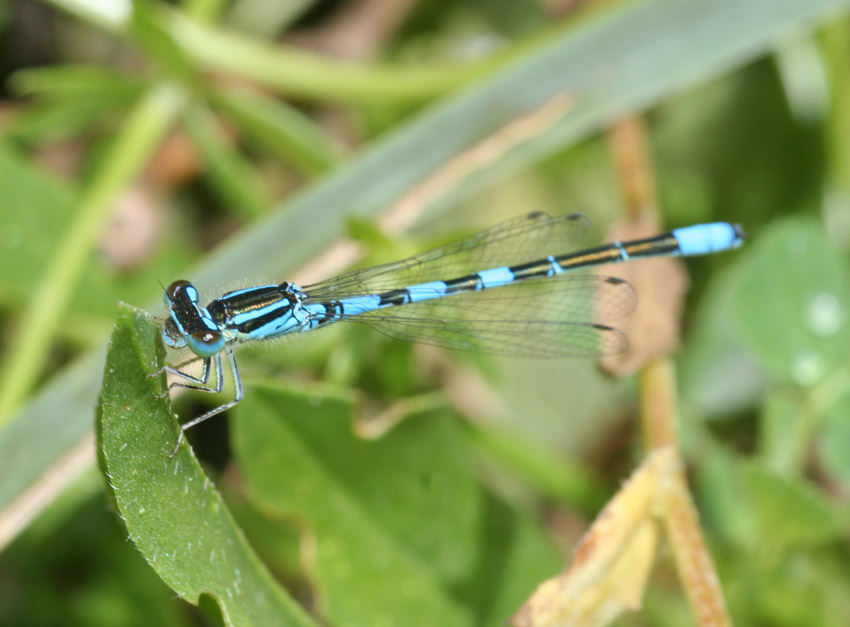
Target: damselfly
{"x": 514, "y": 289}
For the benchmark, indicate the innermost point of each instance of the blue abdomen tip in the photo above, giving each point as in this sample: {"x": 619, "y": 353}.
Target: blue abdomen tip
{"x": 704, "y": 239}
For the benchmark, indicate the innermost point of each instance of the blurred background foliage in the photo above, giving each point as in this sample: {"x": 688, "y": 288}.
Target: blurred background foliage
{"x": 148, "y": 142}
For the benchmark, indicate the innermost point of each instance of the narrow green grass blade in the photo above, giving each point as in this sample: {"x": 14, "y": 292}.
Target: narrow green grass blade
{"x": 295, "y": 71}
{"x": 226, "y": 169}
{"x": 70, "y": 100}
{"x": 77, "y": 82}
{"x": 35, "y": 212}
{"x": 171, "y": 509}
{"x": 283, "y": 130}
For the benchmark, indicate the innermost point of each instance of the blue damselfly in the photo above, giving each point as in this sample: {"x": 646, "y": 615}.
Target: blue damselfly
{"x": 514, "y": 289}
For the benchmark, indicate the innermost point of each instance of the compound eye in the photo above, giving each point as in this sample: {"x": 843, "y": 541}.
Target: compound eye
{"x": 173, "y": 291}
{"x": 206, "y": 343}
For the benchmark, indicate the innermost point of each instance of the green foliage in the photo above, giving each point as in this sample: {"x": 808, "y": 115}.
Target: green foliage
{"x": 36, "y": 210}
{"x": 70, "y": 100}
{"x": 835, "y": 440}
{"x": 73, "y": 567}
{"x": 282, "y": 130}
{"x": 438, "y": 520}
{"x": 407, "y": 508}
{"x": 791, "y": 512}
{"x": 173, "y": 513}
{"x": 232, "y": 176}
{"x": 792, "y": 302}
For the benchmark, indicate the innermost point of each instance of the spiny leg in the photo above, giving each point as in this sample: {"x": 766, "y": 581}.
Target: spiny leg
{"x": 200, "y": 382}
{"x": 237, "y": 382}
{"x": 177, "y": 369}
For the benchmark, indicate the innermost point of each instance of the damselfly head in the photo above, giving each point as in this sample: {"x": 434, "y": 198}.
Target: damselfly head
{"x": 188, "y": 324}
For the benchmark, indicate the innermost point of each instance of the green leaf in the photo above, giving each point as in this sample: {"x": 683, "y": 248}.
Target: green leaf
{"x": 754, "y": 506}
{"x": 791, "y": 302}
{"x": 835, "y": 440}
{"x": 149, "y": 31}
{"x": 562, "y": 480}
{"x": 785, "y": 431}
{"x": 70, "y": 100}
{"x": 792, "y": 511}
{"x": 724, "y": 499}
{"x": 405, "y": 509}
{"x": 301, "y": 73}
{"x": 718, "y": 376}
{"x": 228, "y": 172}
{"x": 283, "y": 130}
{"x": 803, "y": 589}
{"x": 788, "y": 588}
{"x": 35, "y": 211}
{"x": 77, "y": 82}
{"x": 172, "y": 511}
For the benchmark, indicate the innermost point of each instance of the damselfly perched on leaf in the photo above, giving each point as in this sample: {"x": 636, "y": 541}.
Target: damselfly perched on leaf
{"x": 514, "y": 289}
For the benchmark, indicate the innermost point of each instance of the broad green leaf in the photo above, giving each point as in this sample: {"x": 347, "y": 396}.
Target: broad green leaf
{"x": 802, "y": 590}
{"x": 563, "y": 480}
{"x": 279, "y": 544}
{"x": 403, "y": 533}
{"x": 301, "y": 459}
{"x": 718, "y": 375}
{"x": 767, "y": 586}
{"x": 792, "y": 304}
{"x": 792, "y": 511}
{"x": 173, "y": 513}
{"x": 752, "y": 505}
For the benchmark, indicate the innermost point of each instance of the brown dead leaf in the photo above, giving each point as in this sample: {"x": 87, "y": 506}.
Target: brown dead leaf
{"x": 610, "y": 567}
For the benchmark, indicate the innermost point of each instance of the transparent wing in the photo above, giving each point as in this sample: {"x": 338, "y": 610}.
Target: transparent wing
{"x": 553, "y": 317}
{"x": 526, "y": 238}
